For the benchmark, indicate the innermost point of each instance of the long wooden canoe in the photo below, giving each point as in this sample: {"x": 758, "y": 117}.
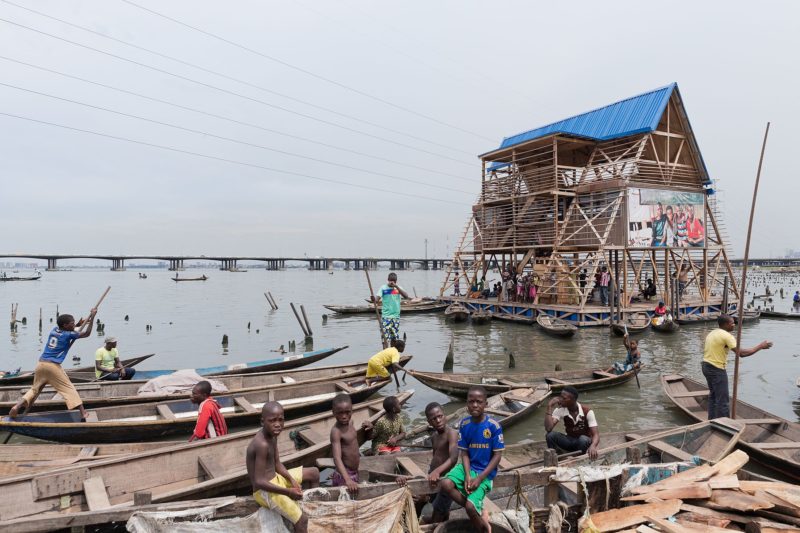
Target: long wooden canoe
{"x": 200, "y": 469}
{"x": 268, "y": 365}
{"x": 556, "y": 327}
{"x": 201, "y": 278}
{"x": 772, "y": 441}
{"x": 110, "y": 393}
{"x": 456, "y": 312}
{"x": 481, "y": 316}
{"x": 424, "y": 307}
{"x": 458, "y": 384}
{"x": 149, "y": 421}
{"x": 507, "y": 409}
{"x": 21, "y": 278}
{"x": 635, "y": 322}
{"x": 778, "y": 314}
{"x": 76, "y": 375}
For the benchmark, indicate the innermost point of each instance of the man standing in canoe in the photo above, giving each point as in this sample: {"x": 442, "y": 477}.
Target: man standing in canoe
{"x": 390, "y": 295}
{"x": 715, "y": 359}
{"x": 48, "y": 370}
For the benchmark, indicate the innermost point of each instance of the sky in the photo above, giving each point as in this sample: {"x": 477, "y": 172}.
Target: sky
{"x": 353, "y": 127}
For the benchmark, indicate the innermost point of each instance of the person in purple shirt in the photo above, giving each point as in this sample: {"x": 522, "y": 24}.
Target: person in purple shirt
{"x": 48, "y": 370}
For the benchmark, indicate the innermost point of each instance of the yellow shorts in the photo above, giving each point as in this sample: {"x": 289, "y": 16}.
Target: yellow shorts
{"x": 376, "y": 370}
{"x": 283, "y": 505}
{"x": 52, "y": 374}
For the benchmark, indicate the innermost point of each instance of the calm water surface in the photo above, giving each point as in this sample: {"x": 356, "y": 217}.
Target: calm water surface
{"x": 189, "y": 319}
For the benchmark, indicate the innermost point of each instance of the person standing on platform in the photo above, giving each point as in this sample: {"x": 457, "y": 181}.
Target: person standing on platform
{"x": 390, "y": 295}
{"x": 49, "y": 372}
{"x": 605, "y": 280}
{"x": 715, "y": 358}
{"x": 107, "y": 366}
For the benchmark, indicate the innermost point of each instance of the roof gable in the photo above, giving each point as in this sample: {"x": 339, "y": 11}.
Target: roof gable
{"x": 638, "y": 114}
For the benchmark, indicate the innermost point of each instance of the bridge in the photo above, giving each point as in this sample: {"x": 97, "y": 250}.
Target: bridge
{"x": 231, "y": 263}
{"x": 771, "y": 262}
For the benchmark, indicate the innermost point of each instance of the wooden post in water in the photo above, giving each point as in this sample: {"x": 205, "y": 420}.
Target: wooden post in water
{"x": 297, "y": 316}
{"x": 374, "y": 302}
{"x": 725, "y": 295}
{"x": 739, "y": 307}
{"x": 40, "y": 321}
{"x": 305, "y": 318}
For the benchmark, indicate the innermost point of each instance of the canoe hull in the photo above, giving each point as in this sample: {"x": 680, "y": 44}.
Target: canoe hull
{"x": 76, "y": 375}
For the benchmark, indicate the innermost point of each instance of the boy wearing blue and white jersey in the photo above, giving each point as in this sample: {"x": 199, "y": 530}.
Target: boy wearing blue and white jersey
{"x": 481, "y": 446}
{"x": 49, "y": 372}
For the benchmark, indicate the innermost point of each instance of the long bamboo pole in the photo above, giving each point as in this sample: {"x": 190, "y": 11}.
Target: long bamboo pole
{"x": 377, "y": 313}
{"x": 739, "y": 308}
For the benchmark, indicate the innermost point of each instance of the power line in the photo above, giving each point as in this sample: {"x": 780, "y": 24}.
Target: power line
{"x": 232, "y": 120}
{"x": 305, "y": 71}
{"x": 232, "y": 78}
{"x": 230, "y": 139}
{"x": 233, "y": 93}
{"x": 226, "y": 160}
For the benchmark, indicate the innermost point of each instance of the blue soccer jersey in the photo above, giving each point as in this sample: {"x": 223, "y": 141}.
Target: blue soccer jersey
{"x": 58, "y": 344}
{"x": 480, "y": 440}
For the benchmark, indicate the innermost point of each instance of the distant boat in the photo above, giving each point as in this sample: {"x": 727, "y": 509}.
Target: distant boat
{"x": 201, "y": 278}
{"x": 554, "y": 326}
{"x": 4, "y": 277}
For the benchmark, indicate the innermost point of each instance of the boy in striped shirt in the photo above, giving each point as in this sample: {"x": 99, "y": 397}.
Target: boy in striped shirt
{"x": 210, "y": 422}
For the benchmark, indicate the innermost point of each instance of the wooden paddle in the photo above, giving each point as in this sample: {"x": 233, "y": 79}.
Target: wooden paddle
{"x": 636, "y": 371}
{"x": 380, "y": 326}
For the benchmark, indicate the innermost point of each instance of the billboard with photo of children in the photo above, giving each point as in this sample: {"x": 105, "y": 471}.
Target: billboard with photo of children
{"x": 663, "y": 218}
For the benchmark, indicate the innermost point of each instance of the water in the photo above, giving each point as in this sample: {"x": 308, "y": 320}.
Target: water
{"x": 189, "y": 319}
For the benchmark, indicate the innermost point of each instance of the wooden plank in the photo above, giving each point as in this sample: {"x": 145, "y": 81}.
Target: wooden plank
{"x": 411, "y": 467}
{"x": 738, "y": 501}
{"x": 344, "y": 387}
{"x": 724, "y": 482}
{"x": 730, "y": 464}
{"x": 58, "y": 484}
{"x": 664, "y": 448}
{"x": 513, "y": 384}
{"x": 782, "y": 504}
{"x": 242, "y": 402}
{"x": 692, "y": 394}
{"x": 705, "y": 511}
{"x": 692, "y": 491}
{"x": 605, "y": 374}
{"x": 752, "y": 486}
{"x": 775, "y": 445}
{"x": 94, "y": 489}
{"x": 498, "y": 412}
{"x": 756, "y": 421}
{"x": 165, "y": 412}
{"x": 697, "y": 518}
{"x": 87, "y": 451}
{"x": 312, "y": 437}
{"x": 635, "y": 514}
{"x": 91, "y": 416}
{"x": 325, "y": 462}
{"x": 211, "y": 466}
{"x": 505, "y": 464}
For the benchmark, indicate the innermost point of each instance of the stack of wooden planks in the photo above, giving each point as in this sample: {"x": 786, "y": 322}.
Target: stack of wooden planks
{"x": 706, "y": 498}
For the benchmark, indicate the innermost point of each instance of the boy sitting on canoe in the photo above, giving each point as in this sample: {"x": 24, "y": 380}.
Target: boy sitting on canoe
{"x": 48, "y": 370}
{"x": 382, "y": 363}
{"x": 389, "y": 429}
{"x": 444, "y": 444}
{"x": 481, "y": 444}
{"x": 344, "y": 444}
{"x": 210, "y": 422}
{"x": 275, "y": 487}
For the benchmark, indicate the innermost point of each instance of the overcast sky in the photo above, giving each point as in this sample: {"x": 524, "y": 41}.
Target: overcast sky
{"x": 401, "y": 97}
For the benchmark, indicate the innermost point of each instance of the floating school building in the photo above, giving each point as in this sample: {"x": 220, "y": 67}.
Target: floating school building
{"x": 622, "y": 187}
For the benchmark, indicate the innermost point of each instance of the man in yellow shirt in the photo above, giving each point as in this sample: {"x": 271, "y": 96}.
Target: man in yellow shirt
{"x": 715, "y": 359}
{"x": 385, "y": 361}
{"x": 107, "y": 366}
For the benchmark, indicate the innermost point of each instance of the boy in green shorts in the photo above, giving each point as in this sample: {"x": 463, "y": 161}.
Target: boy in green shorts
{"x": 481, "y": 444}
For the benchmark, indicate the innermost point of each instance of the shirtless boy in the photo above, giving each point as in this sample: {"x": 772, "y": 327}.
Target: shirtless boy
{"x": 275, "y": 487}
{"x": 444, "y": 443}
{"x": 344, "y": 444}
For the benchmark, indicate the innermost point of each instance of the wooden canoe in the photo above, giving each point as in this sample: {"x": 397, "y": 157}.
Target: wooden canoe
{"x": 111, "y": 393}
{"x": 748, "y": 316}
{"x": 200, "y": 469}
{"x": 519, "y": 319}
{"x": 687, "y": 320}
{"x": 149, "y": 421}
{"x": 778, "y": 314}
{"x": 583, "y": 380}
{"x": 507, "y": 409}
{"x": 772, "y": 441}
{"x": 201, "y": 278}
{"x": 481, "y": 316}
{"x": 76, "y": 375}
{"x": 456, "y": 312}
{"x": 667, "y": 325}
{"x": 268, "y": 365}
{"x": 636, "y": 323}
{"x": 424, "y": 307}
{"x": 556, "y": 327}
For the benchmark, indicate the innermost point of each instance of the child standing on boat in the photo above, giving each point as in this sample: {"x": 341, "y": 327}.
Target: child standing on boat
{"x": 481, "y": 445}
{"x": 344, "y": 444}
{"x": 210, "y": 422}
{"x": 390, "y": 295}
{"x": 388, "y": 430}
{"x": 382, "y": 363}
{"x": 48, "y": 370}
{"x": 275, "y": 487}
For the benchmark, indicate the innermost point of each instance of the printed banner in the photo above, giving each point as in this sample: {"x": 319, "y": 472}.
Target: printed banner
{"x": 666, "y": 218}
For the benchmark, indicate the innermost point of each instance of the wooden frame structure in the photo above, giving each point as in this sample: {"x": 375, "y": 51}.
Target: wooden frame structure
{"x": 556, "y": 200}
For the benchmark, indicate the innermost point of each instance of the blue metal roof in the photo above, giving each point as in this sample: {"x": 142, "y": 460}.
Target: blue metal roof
{"x": 638, "y": 114}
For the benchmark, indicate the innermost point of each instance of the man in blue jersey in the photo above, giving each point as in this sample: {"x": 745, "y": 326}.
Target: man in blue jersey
{"x": 481, "y": 445}
{"x": 390, "y": 295}
{"x": 48, "y": 370}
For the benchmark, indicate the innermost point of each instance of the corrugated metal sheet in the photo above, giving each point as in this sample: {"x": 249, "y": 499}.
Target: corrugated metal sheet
{"x": 638, "y": 114}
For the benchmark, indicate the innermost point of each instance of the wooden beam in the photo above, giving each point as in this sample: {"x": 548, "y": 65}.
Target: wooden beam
{"x": 95, "y": 491}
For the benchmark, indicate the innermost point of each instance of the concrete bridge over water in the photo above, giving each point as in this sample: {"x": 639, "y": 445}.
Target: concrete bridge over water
{"x": 231, "y": 263}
